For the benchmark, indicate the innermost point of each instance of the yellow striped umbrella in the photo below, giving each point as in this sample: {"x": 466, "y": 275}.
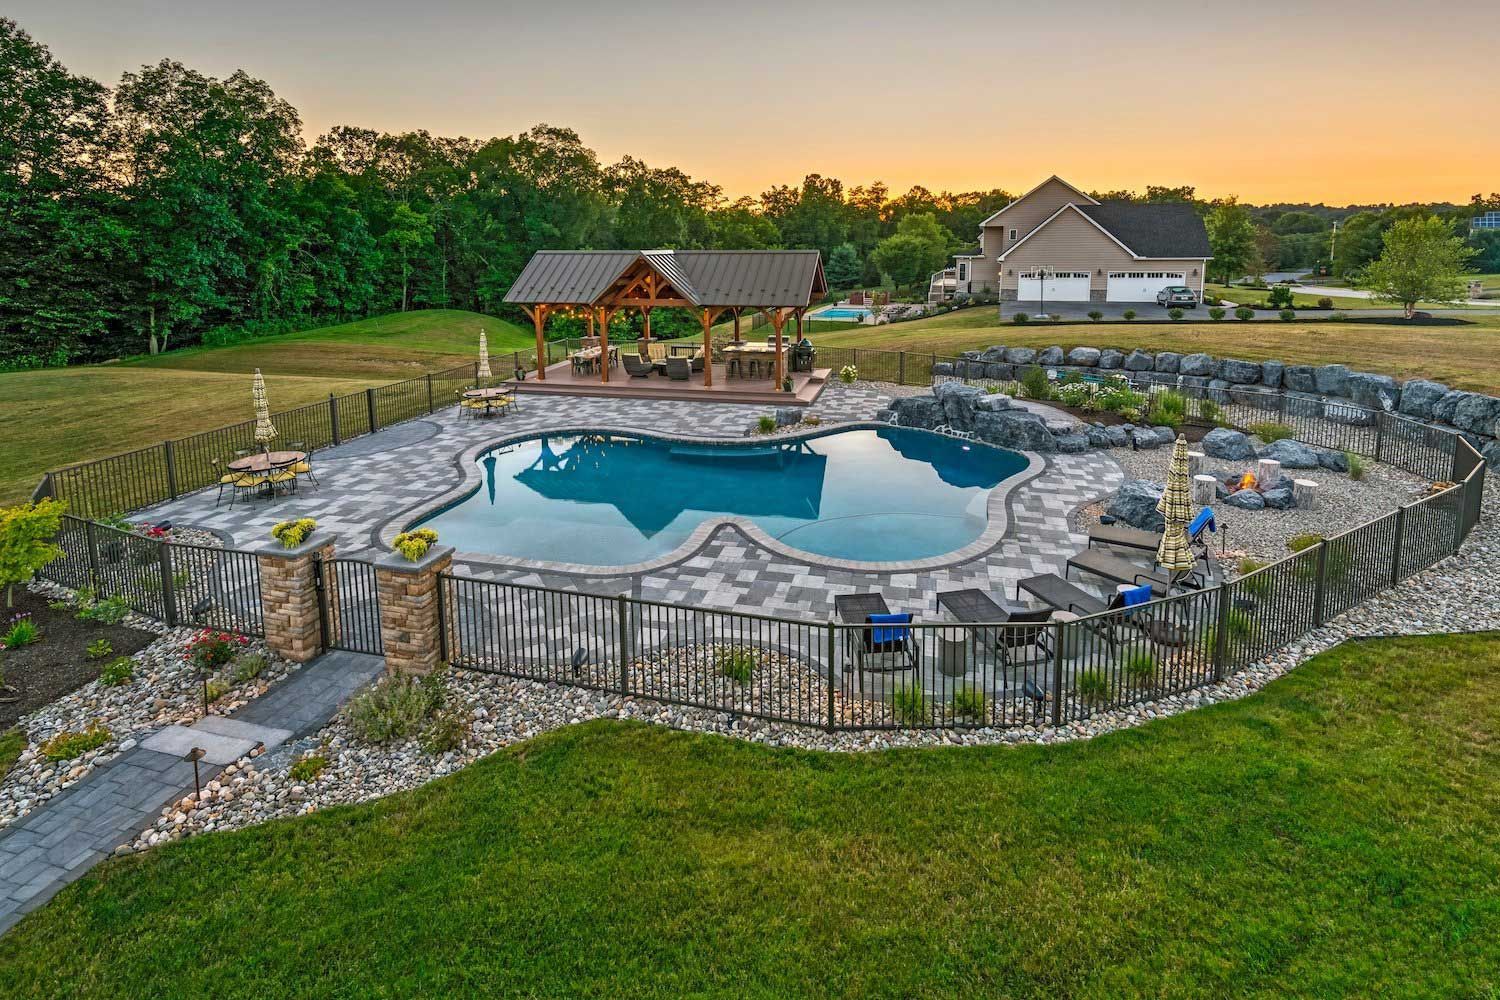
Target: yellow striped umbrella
{"x": 1176, "y": 505}
{"x": 484, "y": 356}
{"x": 264, "y": 429}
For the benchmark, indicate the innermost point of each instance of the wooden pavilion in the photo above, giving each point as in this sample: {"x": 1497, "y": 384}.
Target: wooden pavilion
{"x": 600, "y": 284}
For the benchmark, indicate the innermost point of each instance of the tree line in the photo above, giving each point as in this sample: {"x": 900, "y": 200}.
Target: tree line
{"x": 176, "y": 208}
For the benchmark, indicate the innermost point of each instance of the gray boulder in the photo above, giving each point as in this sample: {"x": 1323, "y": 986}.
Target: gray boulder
{"x": 1271, "y": 373}
{"x": 1419, "y": 396}
{"x": 1221, "y": 442}
{"x": 1333, "y": 461}
{"x": 999, "y": 371}
{"x": 1018, "y": 429}
{"x": 1246, "y": 500}
{"x": 992, "y": 402}
{"x": 1064, "y": 425}
{"x": 1135, "y": 504}
{"x": 1239, "y": 372}
{"x": 1280, "y": 498}
{"x": 1118, "y": 436}
{"x": 1164, "y": 434}
{"x": 918, "y": 411}
{"x": 1098, "y": 436}
{"x": 1084, "y": 357}
{"x": 1218, "y": 391}
{"x": 1491, "y": 453}
{"x": 1168, "y": 361}
{"x": 1378, "y": 392}
{"x": 1444, "y": 408}
{"x": 1139, "y": 361}
{"x": 1300, "y": 378}
{"x": 1145, "y": 439}
{"x": 1050, "y": 356}
{"x": 969, "y": 355}
{"x": 1072, "y": 444}
{"x": 1331, "y": 380}
{"x": 1111, "y": 358}
{"x": 1348, "y": 413}
{"x": 786, "y": 416}
{"x": 943, "y": 368}
{"x": 1291, "y": 454}
{"x": 958, "y": 403}
{"x": 1020, "y": 355}
{"x": 1196, "y": 364}
{"x": 1477, "y": 413}
{"x": 885, "y": 416}
{"x": 996, "y": 353}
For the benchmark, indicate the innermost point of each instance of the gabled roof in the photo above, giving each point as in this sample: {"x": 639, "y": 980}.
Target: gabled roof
{"x": 1153, "y": 229}
{"x": 785, "y": 279}
{"x": 1083, "y": 195}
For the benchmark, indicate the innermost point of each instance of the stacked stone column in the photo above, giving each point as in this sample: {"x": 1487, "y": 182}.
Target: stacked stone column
{"x": 409, "y": 618}
{"x": 289, "y": 596}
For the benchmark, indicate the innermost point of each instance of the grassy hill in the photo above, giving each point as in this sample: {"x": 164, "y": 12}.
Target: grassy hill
{"x": 62, "y": 415}
{"x": 1451, "y": 354}
{"x": 1337, "y": 834}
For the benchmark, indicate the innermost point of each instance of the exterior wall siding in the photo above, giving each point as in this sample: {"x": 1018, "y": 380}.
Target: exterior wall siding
{"x": 1022, "y": 215}
{"x": 1072, "y": 243}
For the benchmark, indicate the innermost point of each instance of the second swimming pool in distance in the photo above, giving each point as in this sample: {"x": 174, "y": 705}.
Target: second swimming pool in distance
{"x": 608, "y": 499}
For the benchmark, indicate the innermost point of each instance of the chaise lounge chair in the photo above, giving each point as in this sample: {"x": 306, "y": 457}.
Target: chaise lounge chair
{"x": 886, "y": 643}
{"x": 1060, "y": 595}
{"x": 1015, "y": 629}
{"x": 1137, "y": 538}
{"x": 1117, "y": 570}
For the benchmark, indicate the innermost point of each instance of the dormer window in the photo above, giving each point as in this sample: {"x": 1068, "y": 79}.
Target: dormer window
{"x": 1012, "y": 235}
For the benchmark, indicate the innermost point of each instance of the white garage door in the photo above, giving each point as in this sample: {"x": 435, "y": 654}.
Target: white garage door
{"x": 1061, "y": 286}
{"x": 1140, "y": 286}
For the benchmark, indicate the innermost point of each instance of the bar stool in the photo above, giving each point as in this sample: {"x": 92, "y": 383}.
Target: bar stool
{"x": 733, "y": 366}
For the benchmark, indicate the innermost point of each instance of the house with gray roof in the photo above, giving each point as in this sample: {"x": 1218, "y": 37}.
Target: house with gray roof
{"x": 1058, "y": 244}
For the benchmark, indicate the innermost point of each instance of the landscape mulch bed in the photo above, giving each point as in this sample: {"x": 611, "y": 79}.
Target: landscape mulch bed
{"x": 48, "y": 669}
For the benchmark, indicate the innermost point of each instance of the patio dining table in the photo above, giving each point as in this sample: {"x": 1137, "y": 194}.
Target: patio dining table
{"x": 496, "y": 397}
{"x": 267, "y": 461}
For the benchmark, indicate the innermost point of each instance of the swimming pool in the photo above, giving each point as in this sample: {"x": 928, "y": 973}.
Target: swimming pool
{"x": 609, "y": 499}
{"x": 837, "y": 312}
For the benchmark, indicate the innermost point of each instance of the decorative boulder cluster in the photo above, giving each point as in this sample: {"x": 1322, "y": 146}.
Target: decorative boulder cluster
{"x": 1236, "y": 446}
{"x": 1334, "y": 391}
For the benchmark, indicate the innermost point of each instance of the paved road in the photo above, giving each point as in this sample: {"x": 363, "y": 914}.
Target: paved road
{"x": 1150, "y": 312}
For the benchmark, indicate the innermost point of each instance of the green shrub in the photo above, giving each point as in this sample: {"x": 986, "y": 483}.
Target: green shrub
{"x": 736, "y": 663}
{"x": 414, "y": 544}
{"x": 766, "y": 424}
{"x": 26, "y": 534}
{"x": 1129, "y": 314}
{"x": 1091, "y": 687}
{"x": 306, "y": 768}
{"x": 1325, "y": 303}
{"x": 1211, "y": 412}
{"x": 1356, "y": 465}
{"x": 1020, "y": 319}
{"x": 1169, "y": 409}
{"x": 1035, "y": 384}
{"x": 68, "y": 745}
{"x": 211, "y": 649}
{"x": 22, "y": 631}
{"x": 293, "y": 533}
{"x": 1243, "y": 313}
{"x": 848, "y": 374}
{"x": 992, "y": 390}
{"x": 1140, "y": 668}
{"x": 445, "y": 732}
{"x": 215, "y": 689}
{"x": 1095, "y": 315}
{"x": 117, "y": 671}
{"x": 1287, "y": 315}
{"x": 396, "y": 707}
{"x": 969, "y": 703}
{"x": 1216, "y": 313}
{"x": 1239, "y": 623}
{"x": 1270, "y": 431}
{"x": 1256, "y": 585}
{"x": 1118, "y": 400}
{"x": 1303, "y": 542}
{"x": 110, "y": 611}
{"x": 247, "y": 667}
{"x": 99, "y": 649}
{"x": 1280, "y": 297}
{"x": 909, "y": 702}
{"x": 1175, "y": 313}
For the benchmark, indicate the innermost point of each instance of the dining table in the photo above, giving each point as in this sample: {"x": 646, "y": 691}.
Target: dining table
{"x": 266, "y": 462}
{"x": 495, "y": 397}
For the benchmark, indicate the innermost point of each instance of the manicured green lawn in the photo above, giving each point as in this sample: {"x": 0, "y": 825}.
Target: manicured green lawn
{"x": 12, "y": 743}
{"x": 1300, "y": 300}
{"x": 1448, "y": 353}
{"x": 63, "y": 415}
{"x": 1335, "y": 835}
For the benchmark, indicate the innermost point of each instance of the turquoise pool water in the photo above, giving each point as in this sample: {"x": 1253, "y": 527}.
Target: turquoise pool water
{"x": 608, "y": 499}
{"x": 836, "y": 312}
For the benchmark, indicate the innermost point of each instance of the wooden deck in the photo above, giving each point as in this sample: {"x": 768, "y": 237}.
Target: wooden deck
{"x": 563, "y": 381}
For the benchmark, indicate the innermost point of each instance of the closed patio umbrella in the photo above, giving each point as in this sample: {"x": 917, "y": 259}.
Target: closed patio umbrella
{"x": 264, "y": 429}
{"x": 1176, "y": 506}
{"x": 483, "y": 371}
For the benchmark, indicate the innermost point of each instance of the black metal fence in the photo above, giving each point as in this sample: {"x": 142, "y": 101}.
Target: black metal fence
{"x": 349, "y": 604}
{"x": 174, "y": 582}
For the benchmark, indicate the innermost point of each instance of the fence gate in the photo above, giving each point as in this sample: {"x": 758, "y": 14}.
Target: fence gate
{"x": 349, "y": 605}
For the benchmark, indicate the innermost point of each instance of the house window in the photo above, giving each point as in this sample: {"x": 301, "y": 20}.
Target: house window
{"x": 963, "y": 270}
{"x": 1012, "y": 235}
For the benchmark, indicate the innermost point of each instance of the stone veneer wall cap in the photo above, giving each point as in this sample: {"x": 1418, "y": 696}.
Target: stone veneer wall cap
{"x": 397, "y": 563}
{"x": 317, "y": 540}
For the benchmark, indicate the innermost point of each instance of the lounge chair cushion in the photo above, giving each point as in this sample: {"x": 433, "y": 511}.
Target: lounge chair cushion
{"x": 1205, "y": 519}
{"x": 888, "y": 638}
{"x": 1136, "y": 596}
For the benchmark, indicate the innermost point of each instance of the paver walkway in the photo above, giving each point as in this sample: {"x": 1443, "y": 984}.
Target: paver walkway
{"x": 62, "y": 840}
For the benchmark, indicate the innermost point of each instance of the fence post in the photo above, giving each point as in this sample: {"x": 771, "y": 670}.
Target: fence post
{"x": 333, "y": 418}
{"x": 1380, "y": 419}
{"x": 1461, "y": 503}
{"x": 1221, "y": 633}
{"x": 622, "y": 612}
{"x": 1320, "y": 584}
{"x": 168, "y": 585}
{"x": 1057, "y": 670}
{"x": 171, "y": 468}
{"x": 1396, "y": 543}
{"x": 93, "y": 543}
{"x": 444, "y": 653}
{"x": 370, "y": 406}
{"x": 832, "y": 655}
{"x": 430, "y": 408}
{"x": 901, "y": 369}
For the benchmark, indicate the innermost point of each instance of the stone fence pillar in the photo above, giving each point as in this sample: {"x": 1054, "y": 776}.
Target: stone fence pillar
{"x": 289, "y": 596}
{"x": 409, "y": 619}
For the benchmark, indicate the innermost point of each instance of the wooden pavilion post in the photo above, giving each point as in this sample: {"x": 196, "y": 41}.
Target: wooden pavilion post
{"x": 737, "y": 324}
{"x": 778, "y": 320}
{"x": 538, "y": 314}
{"x": 603, "y": 341}
{"x": 646, "y": 316}
{"x": 708, "y": 348}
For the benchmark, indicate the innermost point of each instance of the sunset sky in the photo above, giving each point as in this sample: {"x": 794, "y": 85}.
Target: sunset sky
{"x": 1342, "y": 102}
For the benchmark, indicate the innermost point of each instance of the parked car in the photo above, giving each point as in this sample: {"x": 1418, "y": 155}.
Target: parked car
{"x": 1175, "y": 296}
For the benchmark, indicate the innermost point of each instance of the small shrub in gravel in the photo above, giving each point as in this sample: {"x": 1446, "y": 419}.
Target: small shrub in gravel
{"x": 110, "y": 611}
{"x": 735, "y": 663}
{"x": 247, "y": 667}
{"x": 1300, "y": 543}
{"x": 209, "y": 650}
{"x": 1140, "y": 668}
{"x": 69, "y": 745}
{"x": 766, "y": 424}
{"x": 446, "y": 732}
{"x": 117, "y": 671}
{"x": 1271, "y": 431}
{"x": 99, "y": 649}
{"x": 22, "y": 632}
{"x": 215, "y": 689}
{"x": 969, "y": 703}
{"x": 1091, "y": 687}
{"x": 1356, "y": 465}
{"x": 306, "y": 768}
{"x": 396, "y": 708}
{"x": 910, "y": 704}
